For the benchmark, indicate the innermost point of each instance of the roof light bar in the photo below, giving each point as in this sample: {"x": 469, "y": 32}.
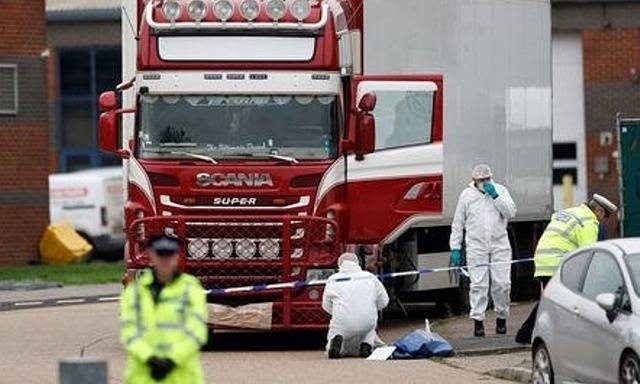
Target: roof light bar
{"x": 276, "y": 9}
{"x": 171, "y": 10}
{"x": 300, "y": 9}
{"x": 249, "y": 9}
{"x": 197, "y": 9}
{"x": 225, "y": 9}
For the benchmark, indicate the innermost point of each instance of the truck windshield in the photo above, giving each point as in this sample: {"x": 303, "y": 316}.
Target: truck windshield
{"x": 295, "y": 127}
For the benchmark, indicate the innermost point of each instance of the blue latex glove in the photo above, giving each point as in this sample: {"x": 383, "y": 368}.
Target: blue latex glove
{"x": 455, "y": 259}
{"x": 490, "y": 189}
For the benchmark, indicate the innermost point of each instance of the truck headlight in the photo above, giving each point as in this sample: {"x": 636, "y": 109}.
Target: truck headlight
{"x": 330, "y": 232}
{"x": 197, "y": 9}
{"x": 171, "y": 10}
{"x": 141, "y": 229}
{"x": 249, "y": 9}
{"x": 269, "y": 249}
{"x": 246, "y": 249}
{"x": 319, "y": 274}
{"x": 300, "y": 9}
{"x": 223, "y": 9}
{"x": 276, "y": 9}
{"x": 221, "y": 249}
{"x": 198, "y": 249}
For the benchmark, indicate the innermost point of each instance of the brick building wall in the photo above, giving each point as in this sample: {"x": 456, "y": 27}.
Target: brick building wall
{"x": 24, "y": 137}
{"x": 612, "y": 85}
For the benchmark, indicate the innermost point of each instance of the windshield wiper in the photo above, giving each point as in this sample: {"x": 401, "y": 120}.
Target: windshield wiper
{"x": 287, "y": 159}
{"x": 195, "y": 155}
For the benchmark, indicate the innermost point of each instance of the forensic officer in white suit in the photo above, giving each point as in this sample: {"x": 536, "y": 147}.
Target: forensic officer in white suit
{"x": 353, "y": 298}
{"x": 483, "y": 210}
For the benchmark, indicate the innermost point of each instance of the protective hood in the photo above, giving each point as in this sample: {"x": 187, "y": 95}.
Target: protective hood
{"x": 348, "y": 262}
{"x": 350, "y": 267}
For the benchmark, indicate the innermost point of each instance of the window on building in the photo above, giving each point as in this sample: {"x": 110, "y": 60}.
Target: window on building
{"x": 564, "y": 151}
{"x": 8, "y": 89}
{"x": 84, "y": 73}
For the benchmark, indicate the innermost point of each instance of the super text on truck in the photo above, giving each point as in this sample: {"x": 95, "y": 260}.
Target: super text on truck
{"x": 272, "y": 135}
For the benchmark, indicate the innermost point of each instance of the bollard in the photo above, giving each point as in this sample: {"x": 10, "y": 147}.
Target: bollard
{"x": 78, "y": 370}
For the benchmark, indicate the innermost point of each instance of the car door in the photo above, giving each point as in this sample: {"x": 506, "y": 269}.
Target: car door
{"x": 598, "y": 340}
{"x": 401, "y": 182}
{"x": 561, "y": 299}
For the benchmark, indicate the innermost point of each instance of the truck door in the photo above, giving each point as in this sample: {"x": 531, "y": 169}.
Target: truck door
{"x": 400, "y": 184}
{"x": 629, "y": 134}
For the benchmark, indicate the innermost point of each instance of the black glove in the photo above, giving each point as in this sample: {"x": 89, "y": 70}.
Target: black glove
{"x": 160, "y": 367}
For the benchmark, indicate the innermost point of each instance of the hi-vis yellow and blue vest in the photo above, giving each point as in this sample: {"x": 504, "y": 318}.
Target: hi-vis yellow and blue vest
{"x": 568, "y": 230}
{"x": 174, "y": 327}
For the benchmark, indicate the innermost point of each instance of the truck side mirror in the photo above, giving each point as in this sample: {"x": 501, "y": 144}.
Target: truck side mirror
{"x": 108, "y": 135}
{"x": 365, "y": 142}
{"x": 367, "y": 102}
{"x": 365, "y": 135}
{"x": 108, "y": 101}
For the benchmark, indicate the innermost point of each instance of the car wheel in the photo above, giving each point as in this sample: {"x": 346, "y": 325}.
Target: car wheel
{"x": 542, "y": 372}
{"x": 630, "y": 369}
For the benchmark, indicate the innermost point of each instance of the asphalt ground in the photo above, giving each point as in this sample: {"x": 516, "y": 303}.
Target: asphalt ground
{"x": 34, "y": 340}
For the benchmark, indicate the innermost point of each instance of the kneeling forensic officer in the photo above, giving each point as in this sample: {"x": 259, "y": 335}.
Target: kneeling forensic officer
{"x": 353, "y": 298}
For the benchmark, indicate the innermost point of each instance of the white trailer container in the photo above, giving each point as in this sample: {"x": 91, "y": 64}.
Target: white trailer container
{"x": 495, "y": 59}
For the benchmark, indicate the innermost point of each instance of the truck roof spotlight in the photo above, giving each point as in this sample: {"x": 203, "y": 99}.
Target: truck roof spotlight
{"x": 171, "y": 10}
{"x": 197, "y": 9}
{"x": 276, "y": 9}
{"x": 249, "y": 9}
{"x": 300, "y": 9}
{"x": 223, "y": 9}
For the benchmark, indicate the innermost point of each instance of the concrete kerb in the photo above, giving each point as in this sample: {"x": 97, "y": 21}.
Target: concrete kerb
{"x": 517, "y": 374}
{"x": 491, "y": 351}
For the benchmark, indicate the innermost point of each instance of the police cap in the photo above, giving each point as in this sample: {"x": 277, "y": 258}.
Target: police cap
{"x": 605, "y": 203}
{"x": 164, "y": 245}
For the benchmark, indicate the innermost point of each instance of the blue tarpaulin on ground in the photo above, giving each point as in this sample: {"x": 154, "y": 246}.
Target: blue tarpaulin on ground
{"x": 421, "y": 344}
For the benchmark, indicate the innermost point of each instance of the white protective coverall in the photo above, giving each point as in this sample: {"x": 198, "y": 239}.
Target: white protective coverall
{"x": 353, "y": 305}
{"x": 484, "y": 220}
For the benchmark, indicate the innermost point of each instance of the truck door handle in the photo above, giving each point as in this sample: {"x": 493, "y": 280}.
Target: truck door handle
{"x": 576, "y": 311}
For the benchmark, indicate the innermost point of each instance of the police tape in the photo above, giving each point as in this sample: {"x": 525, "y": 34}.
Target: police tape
{"x": 382, "y": 276}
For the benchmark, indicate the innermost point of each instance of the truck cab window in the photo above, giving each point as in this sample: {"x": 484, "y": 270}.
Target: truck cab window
{"x": 304, "y": 127}
{"x": 403, "y": 118}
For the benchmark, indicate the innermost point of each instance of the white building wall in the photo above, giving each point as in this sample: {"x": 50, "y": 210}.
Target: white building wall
{"x": 568, "y": 111}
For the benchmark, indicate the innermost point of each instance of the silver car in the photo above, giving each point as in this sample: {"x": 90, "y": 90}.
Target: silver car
{"x": 588, "y": 324}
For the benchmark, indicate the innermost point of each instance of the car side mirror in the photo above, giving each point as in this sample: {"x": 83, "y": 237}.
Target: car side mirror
{"x": 365, "y": 142}
{"x": 608, "y": 302}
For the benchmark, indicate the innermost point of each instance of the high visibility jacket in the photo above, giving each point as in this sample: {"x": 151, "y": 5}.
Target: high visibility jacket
{"x": 175, "y": 327}
{"x": 568, "y": 230}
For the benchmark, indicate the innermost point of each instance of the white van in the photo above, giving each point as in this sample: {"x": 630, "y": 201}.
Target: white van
{"x": 93, "y": 201}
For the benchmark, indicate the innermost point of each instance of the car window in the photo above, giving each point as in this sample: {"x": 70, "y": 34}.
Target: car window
{"x": 603, "y": 276}
{"x": 573, "y": 268}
